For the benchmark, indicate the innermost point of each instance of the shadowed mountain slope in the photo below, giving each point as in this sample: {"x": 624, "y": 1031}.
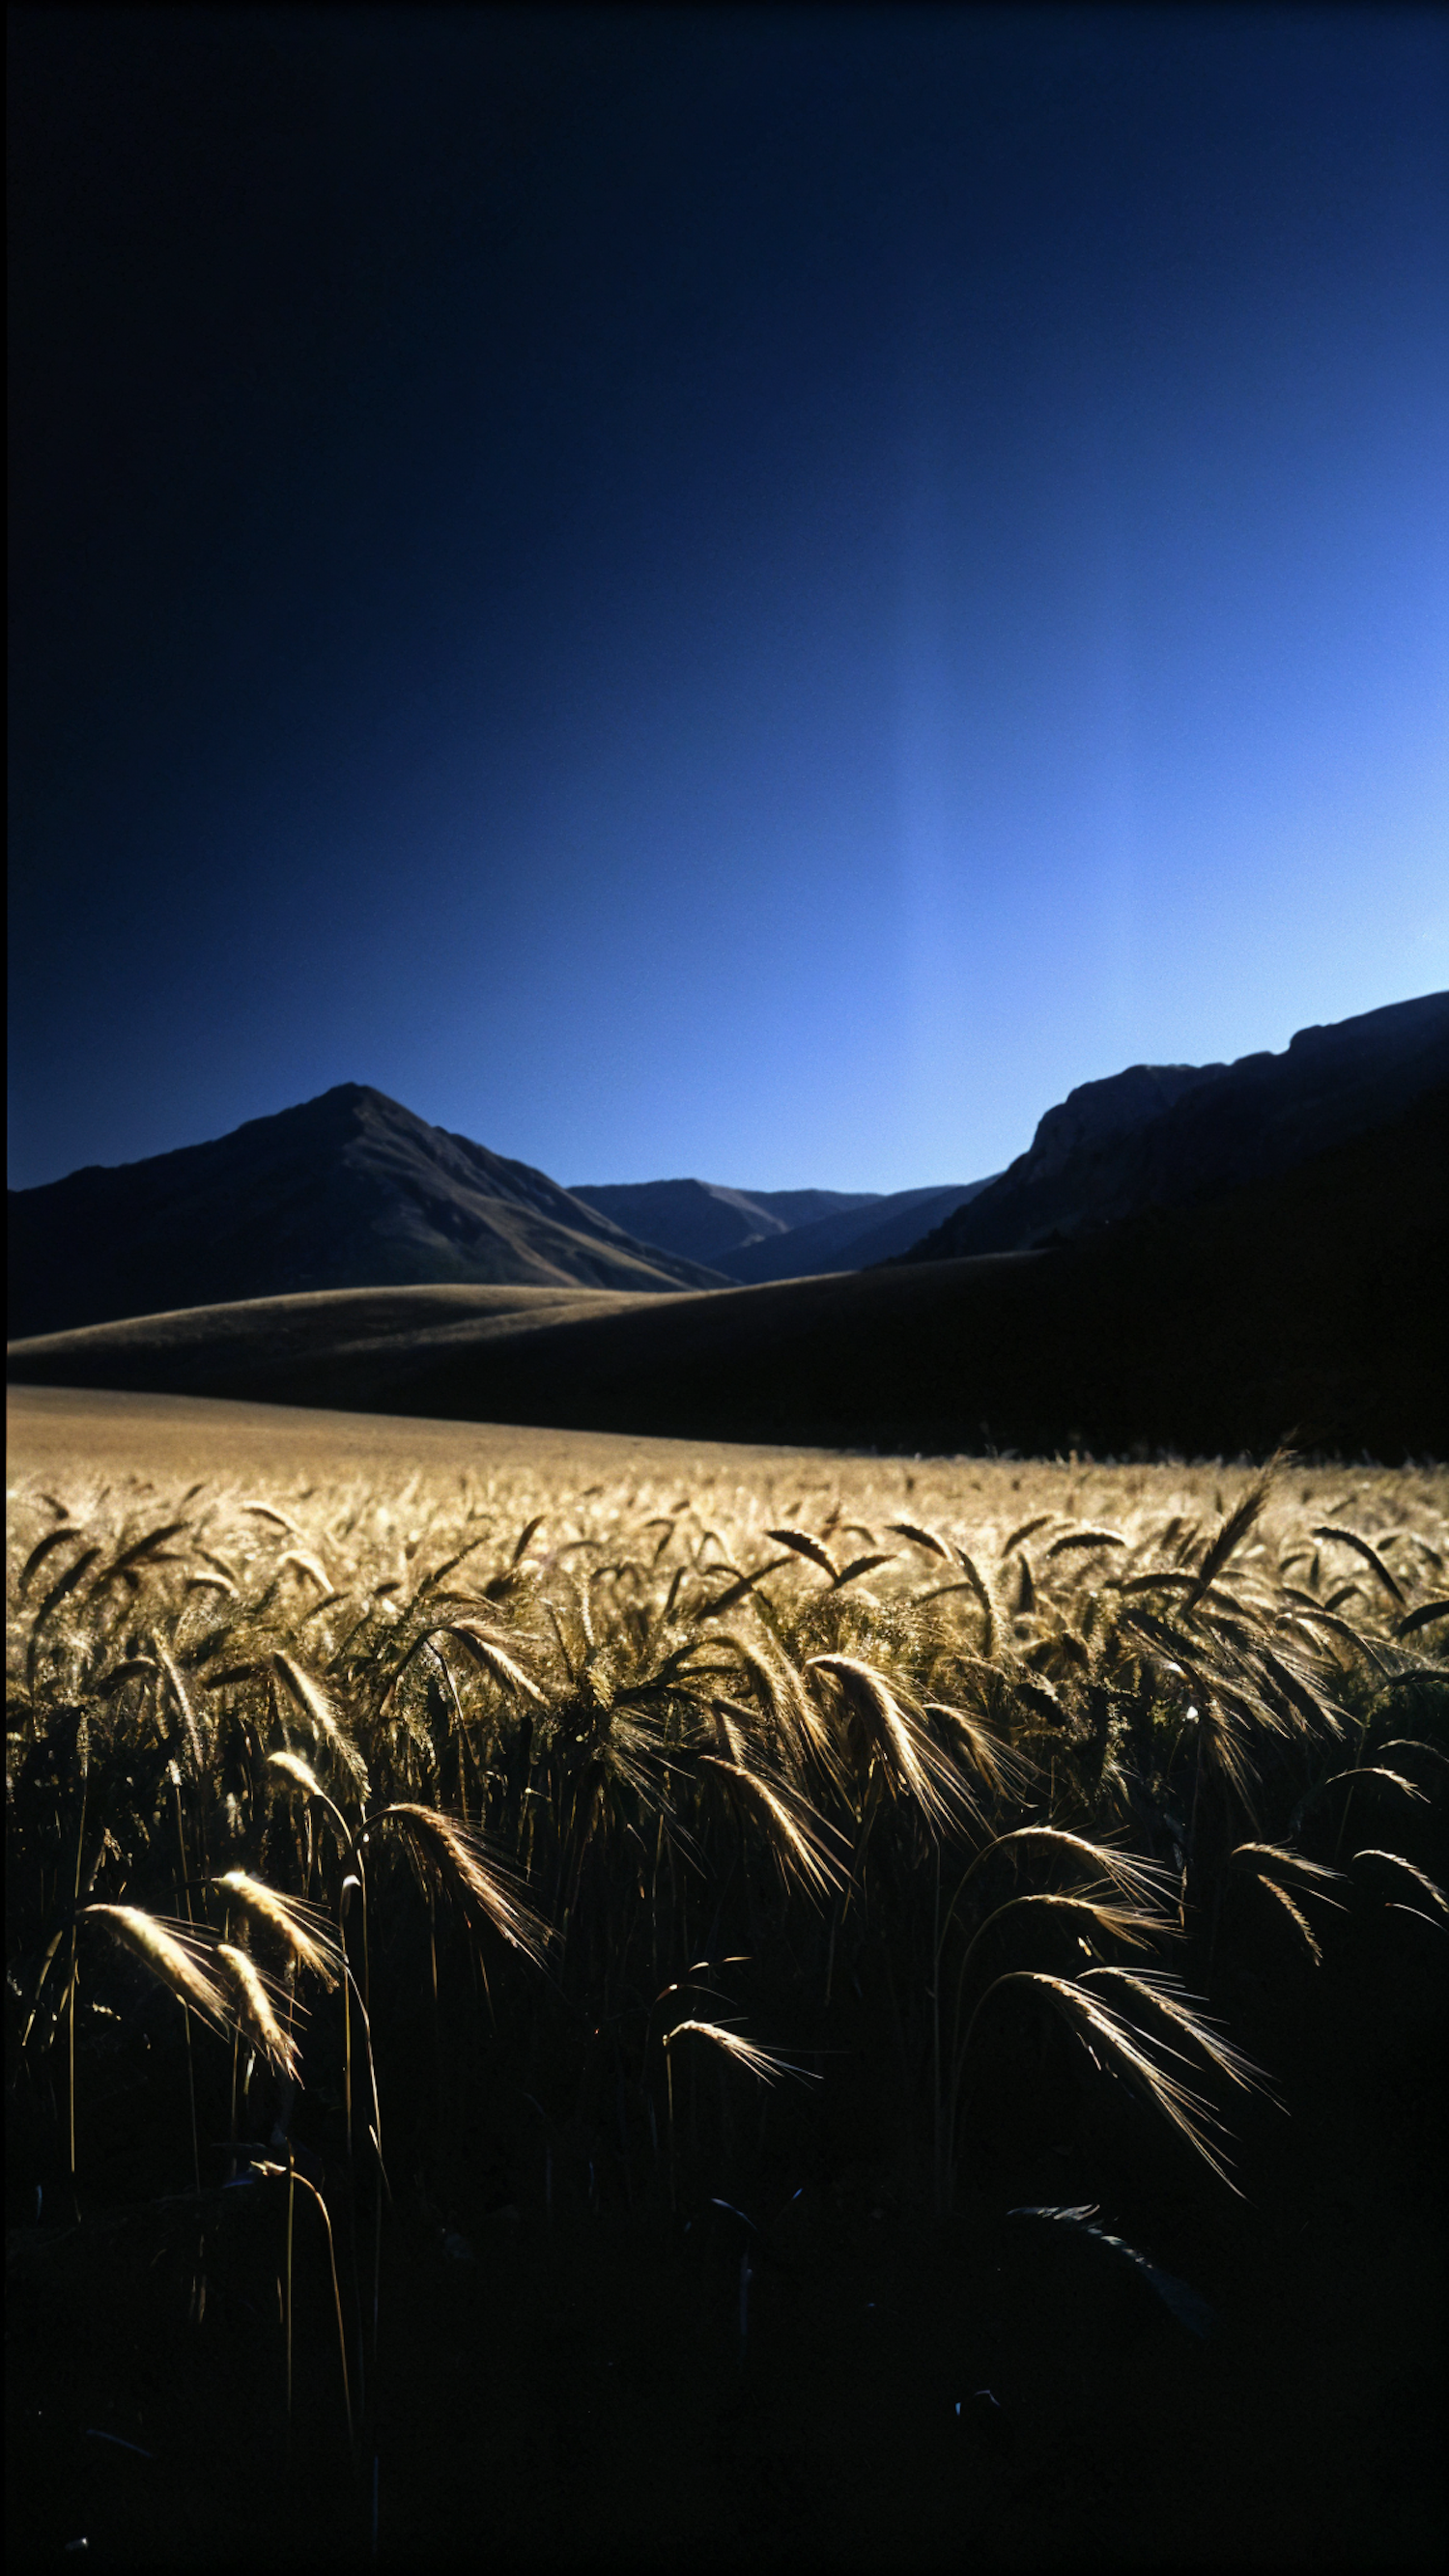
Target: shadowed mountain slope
{"x": 348, "y": 1190}
{"x": 1162, "y": 1136}
{"x": 702, "y": 1220}
{"x": 757, "y": 1235}
{"x": 1308, "y": 1305}
{"x": 849, "y": 1238}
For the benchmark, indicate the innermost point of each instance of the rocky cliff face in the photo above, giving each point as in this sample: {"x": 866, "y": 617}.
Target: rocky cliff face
{"x": 1098, "y": 1115}
{"x": 1172, "y": 1135}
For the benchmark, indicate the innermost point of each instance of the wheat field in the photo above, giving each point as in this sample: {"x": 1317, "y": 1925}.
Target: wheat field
{"x": 653, "y": 1824}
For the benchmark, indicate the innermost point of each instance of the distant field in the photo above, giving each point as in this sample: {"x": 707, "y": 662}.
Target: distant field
{"x": 102, "y": 1435}
{"x": 531, "y": 1948}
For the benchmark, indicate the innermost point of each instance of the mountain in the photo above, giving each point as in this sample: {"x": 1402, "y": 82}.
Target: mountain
{"x": 848, "y": 1238}
{"x": 1307, "y": 1306}
{"x": 701, "y": 1220}
{"x": 754, "y": 1235}
{"x": 349, "y": 1190}
{"x": 1164, "y": 1136}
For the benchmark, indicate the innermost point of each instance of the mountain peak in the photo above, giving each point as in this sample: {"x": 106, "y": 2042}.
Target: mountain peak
{"x": 347, "y": 1190}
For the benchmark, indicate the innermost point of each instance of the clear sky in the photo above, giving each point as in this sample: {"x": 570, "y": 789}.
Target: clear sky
{"x": 749, "y": 592}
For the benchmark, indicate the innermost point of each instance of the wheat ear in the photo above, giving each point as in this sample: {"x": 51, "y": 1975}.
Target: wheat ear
{"x": 256, "y": 2009}
{"x": 166, "y": 1949}
{"x": 764, "y": 2063}
{"x": 458, "y": 1852}
{"x": 284, "y": 1916}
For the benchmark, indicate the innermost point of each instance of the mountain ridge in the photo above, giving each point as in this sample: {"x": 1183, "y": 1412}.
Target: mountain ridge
{"x": 1162, "y": 1136}
{"x": 703, "y": 1219}
{"x": 348, "y": 1189}
{"x": 848, "y": 1240}
{"x": 353, "y": 1191}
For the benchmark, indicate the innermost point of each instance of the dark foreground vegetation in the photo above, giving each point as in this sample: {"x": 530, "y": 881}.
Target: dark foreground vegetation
{"x": 718, "y": 2026}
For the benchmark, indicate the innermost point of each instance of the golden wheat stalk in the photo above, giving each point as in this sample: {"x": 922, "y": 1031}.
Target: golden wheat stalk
{"x": 285, "y": 1916}
{"x": 799, "y": 1734}
{"x": 1145, "y": 1881}
{"x": 765, "y": 2064}
{"x": 1027, "y": 1529}
{"x": 925, "y": 1538}
{"x": 288, "y": 2174}
{"x": 1279, "y": 1861}
{"x": 254, "y": 2007}
{"x": 1368, "y": 1771}
{"x": 52, "y": 1539}
{"x": 1006, "y": 1772}
{"x": 133, "y": 1555}
{"x": 1083, "y": 1539}
{"x": 1232, "y": 1533}
{"x": 907, "y": 1757}
{"x": 1426, "y": 1615}
{"x": 985, "y": 1596}
{"x": 1419, "y": 1879}
{"x": 799, "y": 1830}
{"x": 731, "y": 1723}
{"x": 1312, "y": 1614}
{"x": 461, "y": 1859}
{"x": 188, "y": 1714}
{"x": 306, "y": 1563}
{"x": 1370, "y": 1555}
{"x": 170, "y": 1952}
{"x": 1135, "y": 1925}
{"x": 1164, "y": 1996}
{"x": 323, "y": 1718}
{"x": 1297, "y": 1688}
{"x": 1111, "y": 2040}
{"x": 488, "y": 1650}
{"x": 802, "y": 1544}
{"x": 292, "y": 1767}
{"x": 1296, "y": 1917}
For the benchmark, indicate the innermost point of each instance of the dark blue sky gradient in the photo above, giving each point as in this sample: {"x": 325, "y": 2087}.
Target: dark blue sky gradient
{"x": 749, "y": 592}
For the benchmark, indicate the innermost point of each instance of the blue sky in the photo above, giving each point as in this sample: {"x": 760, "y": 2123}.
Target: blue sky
{"x": 741, "y": 592}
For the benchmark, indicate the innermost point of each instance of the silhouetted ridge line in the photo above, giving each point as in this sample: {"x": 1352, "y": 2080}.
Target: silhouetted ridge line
{"x": 1163, "y": 1136}
{"x": 347, "y": 1190}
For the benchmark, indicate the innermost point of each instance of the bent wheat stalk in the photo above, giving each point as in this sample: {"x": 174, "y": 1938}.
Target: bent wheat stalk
{"x": 461, "y": 1858}
{"x": 302, "y": 1937}
{"x": 254, "y": 2006}
{"x": 288, "y": 2173}
{"x": 766, "y": 2065}
{"x": 1111, "y": 2041}
{"x": 171, "y": 1953}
